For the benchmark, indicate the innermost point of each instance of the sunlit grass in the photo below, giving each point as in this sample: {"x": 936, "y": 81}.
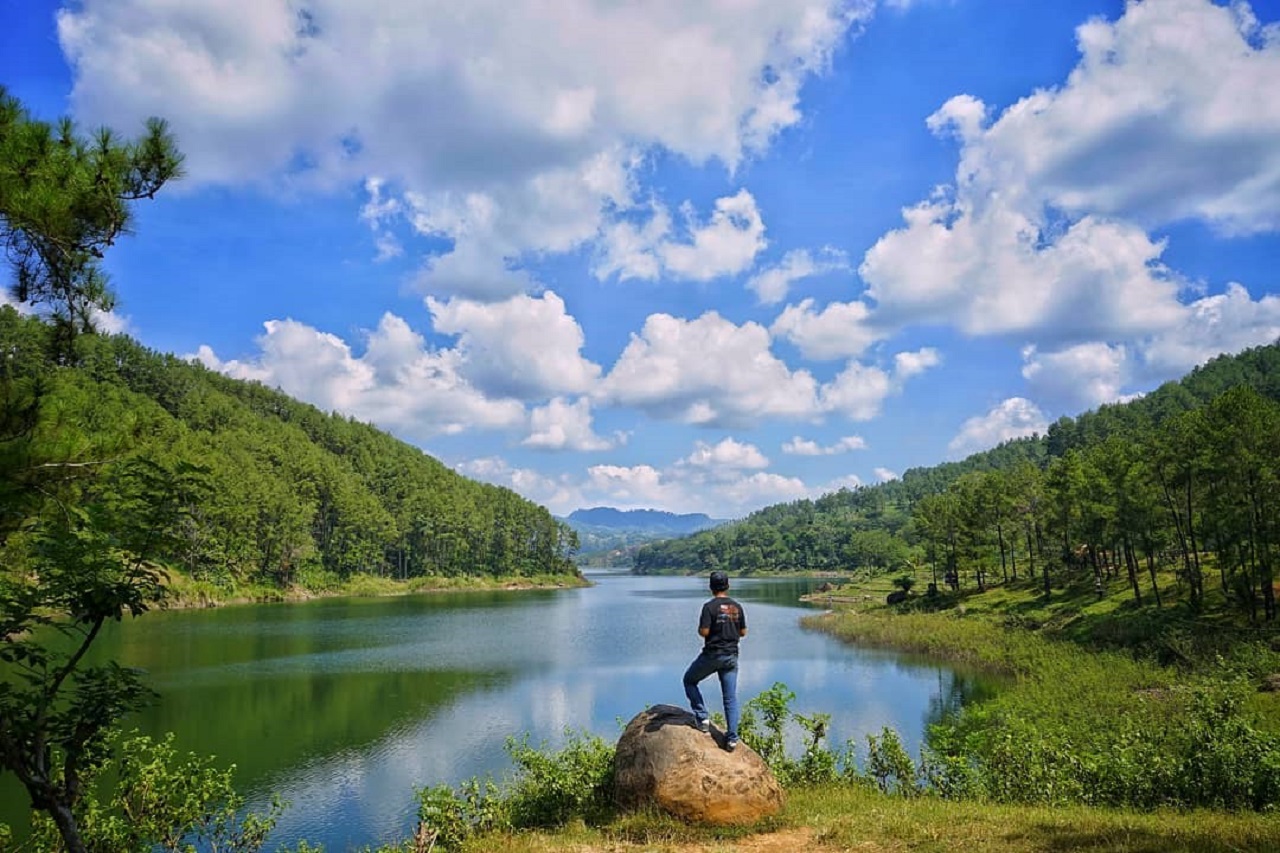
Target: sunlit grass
{"x": 856, "y": 818}
{"x": 843, "y": 817}
{"x": 188, "y": 592}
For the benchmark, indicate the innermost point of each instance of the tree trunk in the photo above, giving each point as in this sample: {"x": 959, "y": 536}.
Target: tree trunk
{"x": 1031, "y": 554}
{"x": 1131, "y": 565}
{"x": 1197, "y": 579}
{"x": 66, "y": 823}
{"x": 1004, "y": 569}
{"x": 1151, "y": 569}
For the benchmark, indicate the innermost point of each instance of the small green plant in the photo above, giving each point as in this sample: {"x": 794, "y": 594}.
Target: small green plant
{"x": 449, "y": 817}
{"x": 548, "y": 789}
{"x": 819, "y": 764}
{"x": 163, "y": 801}
{"x": 890, "y": 766}
{"x": 552, "y": 788}
{"x": 764, "y": 719}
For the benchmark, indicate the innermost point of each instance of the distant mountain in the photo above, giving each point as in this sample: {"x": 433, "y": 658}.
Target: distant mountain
{"x": 642, "y": 519}
{"x": 609, "y": 535}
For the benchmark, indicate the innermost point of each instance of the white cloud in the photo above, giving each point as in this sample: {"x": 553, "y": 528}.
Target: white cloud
{"x": 634, "y": 487}
{"x": 712, "y": 372}
{"x": 627, "y": 247}
{"x": 726, "y": 244}
{"x": 771, "y": 284}
{"x": 707, "y": 371}
{"x": 1016, "y": 417}
{"x": 724, "y": 480}
{"x": 798, "y": 446}
{"x": 1224, "y": 323}
{"x": 1079, "y": 377}
{"x": 552, "y": 211}
{"x": 561, "y": 425}
{"x": 728, "y": 453}
{"x": 388, "y": 247}
{"x": 848, "y": 481}
{"x": 884, "y": 475}
{"x": 723, "y": 493}
{"x": 1043, "y": 234}
{"x": 398, "y": 383}
{"x": 559, "y": 494}
{"x": 1163, "y": 119}
{"x": 1093, "y": 373}
{"x": 379, "y": 208}
{"x": 763, "y": 488}
{"x": 524, "y": 346}
{"x": 988, "y": 268}
{"x": 536, "y": 111}
{"x": 841, "y": 330}
{"x": 908, "y": 364}
{"x": 111, "y": 322}
{"x": 859, "y": 391}
{"x": 558, "y": 78}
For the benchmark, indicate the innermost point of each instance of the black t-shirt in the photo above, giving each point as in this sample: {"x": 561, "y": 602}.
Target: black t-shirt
{"x": 724, "y": 618}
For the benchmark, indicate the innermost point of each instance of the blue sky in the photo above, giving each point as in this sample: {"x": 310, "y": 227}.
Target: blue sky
{"x": 692, "y": 256}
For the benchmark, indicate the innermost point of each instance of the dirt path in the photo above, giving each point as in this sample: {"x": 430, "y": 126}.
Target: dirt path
{"x": 783, "y": 841}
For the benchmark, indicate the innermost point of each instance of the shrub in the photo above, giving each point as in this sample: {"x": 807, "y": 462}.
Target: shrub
{"x": 452, "y": 816}
{"x": 547, "y": 789}
{"x": 551, "y": 788}
{"x": 890, "y": 766}
{"x": 163, "y": 801}
{"x": 763, "y": 724}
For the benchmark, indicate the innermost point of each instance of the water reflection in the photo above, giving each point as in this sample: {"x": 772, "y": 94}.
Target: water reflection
{"x": 345, "y": 707}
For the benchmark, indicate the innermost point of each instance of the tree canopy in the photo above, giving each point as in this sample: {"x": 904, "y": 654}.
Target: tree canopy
{"x": 64, "y": 199}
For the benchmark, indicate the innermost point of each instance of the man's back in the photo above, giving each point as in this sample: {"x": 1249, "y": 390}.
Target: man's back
{"x": 725, "y": 620}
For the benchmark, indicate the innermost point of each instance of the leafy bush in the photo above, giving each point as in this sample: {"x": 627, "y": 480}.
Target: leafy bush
{"x": 452, "y": 816}
{"x": 1183, "y": 747}
{"x": 548, "y": 788}
{"x": 890, "y": 766}
{"x": 552, "y": 788}
{"x": 762, "y": 726}
{"x": 162, "y": 801}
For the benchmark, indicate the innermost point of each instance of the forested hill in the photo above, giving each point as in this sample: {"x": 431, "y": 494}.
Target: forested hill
{"x": 1036, "y": 501}
{"x": 294, "y": 494}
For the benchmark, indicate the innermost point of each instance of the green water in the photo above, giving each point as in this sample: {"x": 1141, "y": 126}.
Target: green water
{"x": 345, "y": 706}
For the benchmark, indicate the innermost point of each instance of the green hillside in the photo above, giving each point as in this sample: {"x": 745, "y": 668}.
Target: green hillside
{"x": 293, "y": 495}
{"x": 1186, "y": 476}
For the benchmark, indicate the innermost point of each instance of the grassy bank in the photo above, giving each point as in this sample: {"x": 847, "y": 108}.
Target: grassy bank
{"x": 186, "y": 592}
{"x": 856, "y": 818}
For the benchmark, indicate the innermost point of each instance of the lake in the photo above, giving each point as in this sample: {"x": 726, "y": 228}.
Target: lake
{"x": 345, "y": 706}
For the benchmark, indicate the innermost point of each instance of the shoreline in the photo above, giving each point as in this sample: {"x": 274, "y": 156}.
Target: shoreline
{"x": 189, "y": 594}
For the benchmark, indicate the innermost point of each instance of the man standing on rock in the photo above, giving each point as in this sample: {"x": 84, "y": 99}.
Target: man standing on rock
{"x": 722, "y": 623}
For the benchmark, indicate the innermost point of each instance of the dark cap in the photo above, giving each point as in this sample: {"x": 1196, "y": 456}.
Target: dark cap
{"x": 719, "y": 581}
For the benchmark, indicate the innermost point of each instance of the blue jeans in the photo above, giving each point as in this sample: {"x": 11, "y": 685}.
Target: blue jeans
{"x": 726, "y": 666}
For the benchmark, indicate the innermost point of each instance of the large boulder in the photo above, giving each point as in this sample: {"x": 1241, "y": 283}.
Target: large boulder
{"x": 663, "y": 760}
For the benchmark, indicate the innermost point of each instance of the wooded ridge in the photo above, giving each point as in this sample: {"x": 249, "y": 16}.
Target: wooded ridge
{"x": 295, "y": 496}
{"x": 1187, "y": 476}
